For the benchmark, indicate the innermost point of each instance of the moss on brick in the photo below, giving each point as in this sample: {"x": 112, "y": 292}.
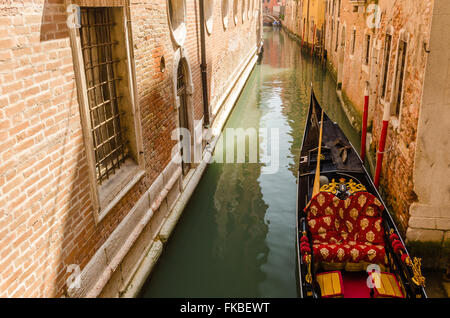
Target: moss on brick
{"x": 433, "y": 254}
{"x": 356, "y": 117}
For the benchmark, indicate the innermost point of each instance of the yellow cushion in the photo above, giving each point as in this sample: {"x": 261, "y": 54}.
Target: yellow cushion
{"x": 330, "y": 284}
{"x": 387, "y": 286}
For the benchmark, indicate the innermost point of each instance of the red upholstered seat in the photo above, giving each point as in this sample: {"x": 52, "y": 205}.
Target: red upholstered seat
{"x": 346, "y": 231}
{"x": 352, "y": 251}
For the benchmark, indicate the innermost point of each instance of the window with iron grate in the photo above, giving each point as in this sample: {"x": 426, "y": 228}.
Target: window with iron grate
{"x": 110, "y": 143}
{"x": 106, "y": 88}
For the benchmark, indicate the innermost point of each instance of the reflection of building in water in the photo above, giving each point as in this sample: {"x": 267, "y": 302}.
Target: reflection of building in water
{"x": 240, "y": 209}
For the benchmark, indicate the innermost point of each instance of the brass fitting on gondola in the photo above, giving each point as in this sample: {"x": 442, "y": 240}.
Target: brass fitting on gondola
{"x": 308, "y": 277}
{"x": 351, "y": 185}
{"x": 307, "y": 259}
{"x": 418, "y": 279}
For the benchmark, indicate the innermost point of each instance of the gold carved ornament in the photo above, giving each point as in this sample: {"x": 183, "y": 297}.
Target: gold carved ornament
{"x": 308, "y": 276}
{"x": 418, "y": 279}
{"x": 415, "y": 266}
{"x": 352, "y": 186}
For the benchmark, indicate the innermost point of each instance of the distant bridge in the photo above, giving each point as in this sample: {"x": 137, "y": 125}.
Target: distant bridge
{"x": 270, "y": 18}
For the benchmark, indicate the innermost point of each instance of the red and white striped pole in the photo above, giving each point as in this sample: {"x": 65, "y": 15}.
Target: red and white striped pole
{"x": 382, "y": 144}
{"x": 364, "y": 124}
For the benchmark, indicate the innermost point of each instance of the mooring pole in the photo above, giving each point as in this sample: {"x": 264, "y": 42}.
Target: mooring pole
{"x": 364, "y": 124}
{"x": 313, "y": 41}
{"x": 382, "y": 143}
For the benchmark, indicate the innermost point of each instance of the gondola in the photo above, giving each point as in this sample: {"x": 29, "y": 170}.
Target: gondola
{"x": 348, "y": 245}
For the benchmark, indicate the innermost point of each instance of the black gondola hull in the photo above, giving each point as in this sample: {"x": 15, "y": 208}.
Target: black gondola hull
{"x": 333, "y": 166}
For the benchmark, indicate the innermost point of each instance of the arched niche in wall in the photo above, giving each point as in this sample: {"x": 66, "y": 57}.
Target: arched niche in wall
{"x": 176, "y": 12}
{"x": 235, "y": 11}
{"x": 244, "y": 14}
{"x": 256, "y": 8}
{"x": 225, "y": 11}
{"x": 209, "y": 15}
{"x": 250, "y": 4}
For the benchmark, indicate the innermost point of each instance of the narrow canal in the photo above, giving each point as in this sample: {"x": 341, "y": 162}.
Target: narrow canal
{"x": 236, "y": 237}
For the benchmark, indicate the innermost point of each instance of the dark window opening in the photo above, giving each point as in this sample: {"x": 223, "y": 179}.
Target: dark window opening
{"x": 387, "y": 52}
{"x": 353, "y": 41}
{"x": 110, "y": 144}
{"x": 367, "y": 51}
{"x": 183, "y": 117}
{"x": 400, "y": 74}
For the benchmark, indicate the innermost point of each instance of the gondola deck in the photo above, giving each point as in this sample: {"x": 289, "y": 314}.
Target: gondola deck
{"x": 329, "y": 276}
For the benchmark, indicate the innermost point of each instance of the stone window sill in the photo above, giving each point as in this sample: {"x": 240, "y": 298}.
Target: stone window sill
{"x": 117, "y": 186}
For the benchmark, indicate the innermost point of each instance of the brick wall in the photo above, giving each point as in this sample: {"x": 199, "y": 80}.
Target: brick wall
{"x": 46, "y": 215}
{"x": 398, "y": 164}
{"x": 413, "y": 17}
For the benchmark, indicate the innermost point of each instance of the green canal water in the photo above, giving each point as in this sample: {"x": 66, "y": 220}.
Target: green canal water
{"x": 236, "y": 237}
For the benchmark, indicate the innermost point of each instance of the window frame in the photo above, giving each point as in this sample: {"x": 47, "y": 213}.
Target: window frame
{"x": 106, "y": 196}
{"x": 367, "y": 47}
{"x": 337, "y": 37}
{"x": 353, "y": 42}
{"x": 209, "y": 15}
{"x": 395, "y": 98}
{"x": 386, "y": 65}
{"x": 178, "y": 32}
{"x": 225, "y": 13}
{"x": 236, "y": 11}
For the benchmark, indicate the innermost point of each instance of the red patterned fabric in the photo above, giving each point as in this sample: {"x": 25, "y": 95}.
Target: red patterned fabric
{"x": 348, "y": 230}
{"x": 352, "y": 251}
{"x": 325, "y": 252}
{"x": 355, "y": 252}
{"x": 323, "y": 229}
{"x": 323, "y": 204}
{"x": 368, "y": 204}
{"x": 370, "y": 229}
{"x": 375, "y": 254}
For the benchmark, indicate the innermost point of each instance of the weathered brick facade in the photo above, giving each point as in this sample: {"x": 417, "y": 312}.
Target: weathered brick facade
{"x": 47, "y": 221}
{"x": 357, "y": 66}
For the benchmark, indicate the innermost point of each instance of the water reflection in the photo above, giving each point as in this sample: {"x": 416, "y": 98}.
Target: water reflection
{"x": 236, "y": 237}
{"x": 239, "y": 209}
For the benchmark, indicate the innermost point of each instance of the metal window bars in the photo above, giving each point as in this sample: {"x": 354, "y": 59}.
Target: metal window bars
{"x": 110, "y": 144}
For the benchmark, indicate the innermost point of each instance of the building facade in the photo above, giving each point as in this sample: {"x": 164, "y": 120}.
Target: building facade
{"x": 272, "y": 7}
{"x": 391, "y": 51}
{"x": 306, "y": 18}
{"x": 95, "y": 165}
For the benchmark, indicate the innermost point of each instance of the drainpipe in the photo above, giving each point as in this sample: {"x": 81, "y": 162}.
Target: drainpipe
{"x": 303, "y": 33}
{"x": 307, "y": 20}
{"x": 382, "y": 144}
{"x": 203, "y": 65}
{"x": 364, "y": 124}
